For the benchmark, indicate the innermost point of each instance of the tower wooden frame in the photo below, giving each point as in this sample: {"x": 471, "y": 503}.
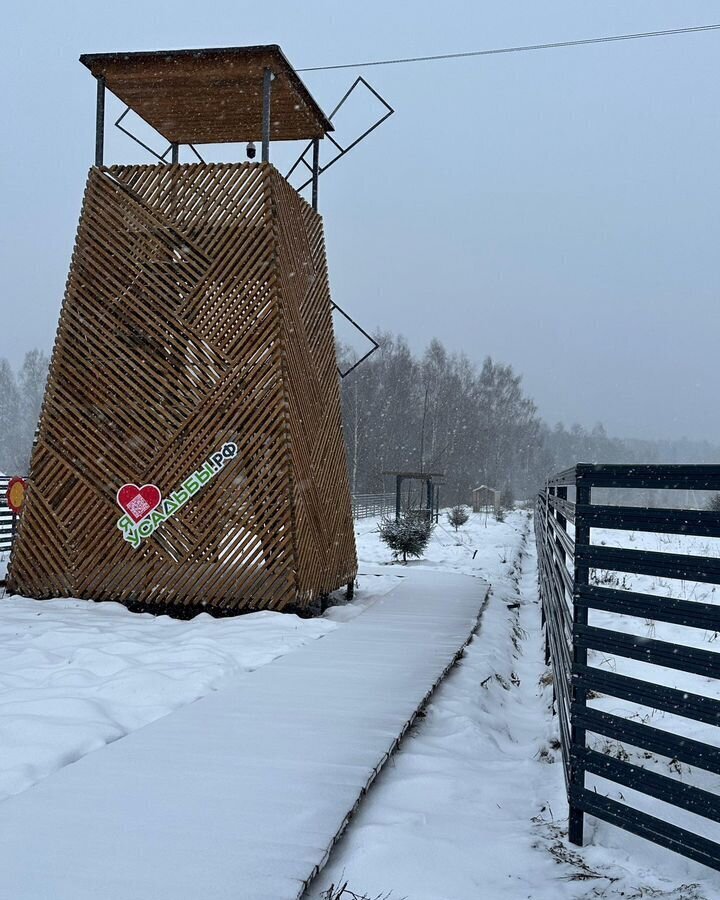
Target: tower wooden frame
{"x": 197, "y": 314}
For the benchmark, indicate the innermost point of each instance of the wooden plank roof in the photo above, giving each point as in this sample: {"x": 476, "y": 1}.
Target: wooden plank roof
{"x": 212, "y": 96}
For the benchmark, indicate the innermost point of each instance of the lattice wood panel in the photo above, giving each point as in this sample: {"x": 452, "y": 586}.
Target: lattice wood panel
{"x": 197, "y": 315}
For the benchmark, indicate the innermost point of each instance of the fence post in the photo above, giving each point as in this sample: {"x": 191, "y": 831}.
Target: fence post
{"x": 546, "y": 533}
{"x": 581, "y": 576}
{"x": 560, "y": 553}
{"x": 540, "y": 501}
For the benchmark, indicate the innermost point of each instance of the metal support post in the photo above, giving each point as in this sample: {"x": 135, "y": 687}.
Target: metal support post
{"x": 583, "y": 493}
{"x": 315, "y": 172}
{"x": 175, "y": 154}
{"x": 100, "y": 121}
{"x": 267, "y": 92}
{"x": 545, "y": 527}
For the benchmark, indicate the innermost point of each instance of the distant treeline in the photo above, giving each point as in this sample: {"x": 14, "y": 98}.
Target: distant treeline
{"x": 436, "y": 411}
{"x": 439, "y": 412}
{"x": 21, "y": 396}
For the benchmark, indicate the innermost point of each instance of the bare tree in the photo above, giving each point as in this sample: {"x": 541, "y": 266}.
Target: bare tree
{"x": 477, "y": 424}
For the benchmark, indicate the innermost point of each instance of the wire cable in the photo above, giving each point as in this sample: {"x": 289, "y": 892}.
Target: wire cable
{"x": 522, "y": 49}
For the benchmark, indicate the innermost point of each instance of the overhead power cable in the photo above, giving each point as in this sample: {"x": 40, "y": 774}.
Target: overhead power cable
{"x": 493, "y": 52}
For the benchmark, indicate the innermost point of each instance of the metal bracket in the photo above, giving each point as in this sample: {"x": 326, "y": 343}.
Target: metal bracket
{"x": 364, "y": 333}
{"x": 161, "y": 157}
{"x": 342, "y": 150}
{"x": 138, "y": 141}
{"x": 192, "y": 147}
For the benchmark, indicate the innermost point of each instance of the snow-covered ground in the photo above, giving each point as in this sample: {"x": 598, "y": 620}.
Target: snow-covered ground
{"x": 75, "y": 675}
{"x": 472, "y": 807}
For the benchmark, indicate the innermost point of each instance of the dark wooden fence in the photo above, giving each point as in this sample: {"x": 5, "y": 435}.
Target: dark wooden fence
{"x": 575, "y": 591}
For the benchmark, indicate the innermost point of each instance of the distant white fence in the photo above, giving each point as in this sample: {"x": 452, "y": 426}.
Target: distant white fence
{"x": 366, "y": 505}
{"x": 6, "y": 517}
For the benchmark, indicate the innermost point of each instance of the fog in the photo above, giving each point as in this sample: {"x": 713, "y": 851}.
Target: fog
{"x": 554, "y": 209}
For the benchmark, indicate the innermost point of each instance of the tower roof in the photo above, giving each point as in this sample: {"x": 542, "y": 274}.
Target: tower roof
{"x": 212, "y": 96}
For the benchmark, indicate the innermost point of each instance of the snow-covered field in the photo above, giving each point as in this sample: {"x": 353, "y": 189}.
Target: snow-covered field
{"x": 472, "y": 806}
{"x": 75, "y": 676}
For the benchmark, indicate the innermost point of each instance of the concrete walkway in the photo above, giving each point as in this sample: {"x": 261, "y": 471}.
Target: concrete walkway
{"x": 241, "y": 795}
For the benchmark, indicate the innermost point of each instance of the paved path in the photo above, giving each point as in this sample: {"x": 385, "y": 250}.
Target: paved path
{"x": 241, "y": 795}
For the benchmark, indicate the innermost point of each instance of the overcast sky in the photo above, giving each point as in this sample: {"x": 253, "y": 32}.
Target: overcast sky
{"x": 557, "y": 210}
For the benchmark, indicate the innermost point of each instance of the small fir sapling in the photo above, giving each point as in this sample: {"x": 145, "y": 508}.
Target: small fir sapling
{"x": 408, "y": 536}
{"x": 458, "y": 516}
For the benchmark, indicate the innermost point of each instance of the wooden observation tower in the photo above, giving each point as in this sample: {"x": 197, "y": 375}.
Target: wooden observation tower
{"x": 190, "y": 453}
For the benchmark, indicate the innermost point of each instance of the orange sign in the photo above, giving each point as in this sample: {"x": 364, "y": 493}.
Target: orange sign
{"x": 16, "y": 490}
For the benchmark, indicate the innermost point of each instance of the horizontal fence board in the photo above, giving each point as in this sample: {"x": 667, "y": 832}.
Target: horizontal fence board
{"x": 648, "y": 562}
{"x": 659, "y": 832}
{"x": 661, "y": 787}
{"x": 661, "y": 477}
{"x": 566, "y": 542}
{"x": 366, "y": 505}
{"x": 646, "y": 737}
{"x": 680, "y": 703}
{"x": 558, "y": 593}
{"x": 563, "y": 658}
{"x": 563, "y": 697}
{"x": 558, "y": 566}
{"x": 8, "y": 520}
{"x": 649, "y": 650}
{"x": 564, "y": 507}
{"x": 556, "y": 585}
{"x": 691, "y": 613}
{"x": 563, "y": 479}
{"x": 567, "y": 596}
{"x": 697, "y": 522}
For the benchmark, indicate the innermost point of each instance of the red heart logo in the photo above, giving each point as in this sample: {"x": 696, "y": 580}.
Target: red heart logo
{"x": 139, "y": 502}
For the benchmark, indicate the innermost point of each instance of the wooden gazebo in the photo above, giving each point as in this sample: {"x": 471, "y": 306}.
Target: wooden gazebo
{"x": 190, "y": 454}
{"x": 429, "y": 506}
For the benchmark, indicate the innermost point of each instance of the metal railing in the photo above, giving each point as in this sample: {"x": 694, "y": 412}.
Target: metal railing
{"x": 578, "y": 596}
{"x": 366, "y": 505}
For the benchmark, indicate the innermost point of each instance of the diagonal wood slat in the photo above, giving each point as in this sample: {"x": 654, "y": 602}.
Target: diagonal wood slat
{"x": 197, "y": 312}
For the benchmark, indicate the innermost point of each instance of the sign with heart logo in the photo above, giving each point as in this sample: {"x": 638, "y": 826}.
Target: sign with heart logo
{"x": 146, "y": 511}
{"x": 139, "y": 502}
